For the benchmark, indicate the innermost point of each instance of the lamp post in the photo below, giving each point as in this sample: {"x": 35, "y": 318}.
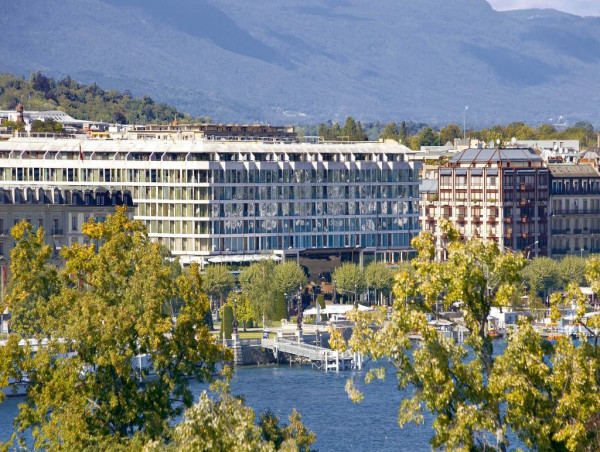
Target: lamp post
{"x": 299, "y": 317}
{"x": 287, "y": 304}
{"x": 465, "y": 122}
{"x": 355, "y": 300}
{"x": 581, "y": 254}
{"x": 235, "y": 322}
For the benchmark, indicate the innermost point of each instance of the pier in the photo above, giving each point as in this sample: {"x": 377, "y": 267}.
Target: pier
{"x": 320, "y": 357}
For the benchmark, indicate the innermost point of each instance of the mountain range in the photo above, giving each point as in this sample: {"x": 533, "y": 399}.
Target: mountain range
{"x": 312, "y": 60}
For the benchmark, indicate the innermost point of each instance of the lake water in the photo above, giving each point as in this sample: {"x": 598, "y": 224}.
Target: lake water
{"x": 321, "y": 399}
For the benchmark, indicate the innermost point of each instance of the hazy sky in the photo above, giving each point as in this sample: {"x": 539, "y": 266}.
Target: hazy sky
{"x": 580, "y": 7}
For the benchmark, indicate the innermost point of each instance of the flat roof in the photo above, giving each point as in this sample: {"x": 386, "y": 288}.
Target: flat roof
{"x": 582, "y": 170}
{"x": 495, "y": 155}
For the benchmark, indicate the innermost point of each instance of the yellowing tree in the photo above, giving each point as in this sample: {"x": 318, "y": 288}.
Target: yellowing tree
{"x": 106, "y": 309}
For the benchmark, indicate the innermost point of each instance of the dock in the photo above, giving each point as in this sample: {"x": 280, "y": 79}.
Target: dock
{"x": 320, "y": 357}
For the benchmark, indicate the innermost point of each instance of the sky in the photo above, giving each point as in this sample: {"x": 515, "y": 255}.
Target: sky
{"x": 579, "y": 7}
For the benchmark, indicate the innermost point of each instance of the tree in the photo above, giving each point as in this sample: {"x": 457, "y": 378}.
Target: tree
{"x": 353, "y": 130}
{"x": 546, "y": 132}
{"x": 108, "y": 314}
{"x": 542, "y": 275}
{"x": 245, "y": 309}
{"x": 288, "y": 277}
{"x": 391, "y": 132}
{"x": 548, "y": 395}
{"x": 449, "y": 380}
{"x": 257, "y": 285}
{"x": 348, "y": 279}
{"x": 450, "y": 133}
{"x": 218, "y": 282}
{"x": 35, "y": 280}
{"x": 47, "y": 125}
{"x": 281, "y": 310}
{"x": 428, "y": 137}
{"x": 572, "y": 269}
{"x": 227, "y": 323}
{"x": 379, "y": 277}
{"x": 225, "y": 423}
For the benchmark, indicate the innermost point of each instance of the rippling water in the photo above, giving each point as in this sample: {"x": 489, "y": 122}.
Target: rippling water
{"x": 321, "y": 399}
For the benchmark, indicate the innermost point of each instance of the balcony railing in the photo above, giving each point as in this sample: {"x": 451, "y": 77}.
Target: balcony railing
{"x": 576, "y": 212}
{"x": 56, "y": 231}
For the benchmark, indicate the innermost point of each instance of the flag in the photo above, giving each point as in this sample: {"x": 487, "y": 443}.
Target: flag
{"x": 80, "y": 153}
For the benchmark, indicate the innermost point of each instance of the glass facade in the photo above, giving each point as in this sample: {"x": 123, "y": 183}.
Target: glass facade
{"x": 244, "y": 198}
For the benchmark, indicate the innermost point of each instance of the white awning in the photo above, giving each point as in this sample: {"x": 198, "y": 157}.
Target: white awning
{"x": 336, "y": 309}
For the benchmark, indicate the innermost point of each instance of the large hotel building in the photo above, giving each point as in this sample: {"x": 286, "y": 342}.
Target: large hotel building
{"x": 228, "y": 200}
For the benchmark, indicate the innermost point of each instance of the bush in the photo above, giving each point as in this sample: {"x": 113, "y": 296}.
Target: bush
{"x": 227, "y": 323}
{"x": 321, "y": 300}
{"x": 250, "y": 324}
{"x": 280, "y": 306}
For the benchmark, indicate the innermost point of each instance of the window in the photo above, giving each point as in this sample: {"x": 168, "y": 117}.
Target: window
{"x": 74, "y": 222}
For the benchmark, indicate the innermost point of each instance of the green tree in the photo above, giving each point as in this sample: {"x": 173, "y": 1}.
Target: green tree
{"x": 450, "y": 133}
{"x": 47, "y": 125}
{"x": 572, "y": 269}
{"x": 427, "y": 137}
{"x": 349, "y": 279}
{"x": 379, "y": 277}
{"x": 108, "y": 313}
{"x": 225, "y": 423}
{"x": 546, "y": 132}
{"x": 281, "y": 310}
{"x": 288, "y": 277}
{"x": 391, "y": 132}
{"x": 227, "y": 323}
{"x": 218, "y": 282}
{"x": 257, "y": 285}
{"x": 353, "y": 130}
{"x": 245, "y": 309}
{"x": 321, "y": 300}
{"x": 542, "y": 276}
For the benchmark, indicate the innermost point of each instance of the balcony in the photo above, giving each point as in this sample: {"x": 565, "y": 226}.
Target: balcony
{"x": 577, "y": 231}
{"x": 56, "y": 231}
{"x": 576, "y": 212}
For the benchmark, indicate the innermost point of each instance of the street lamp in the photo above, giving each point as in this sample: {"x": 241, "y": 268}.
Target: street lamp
{"x": 355, "y": 301}
{"x": 287, "y": 304}
{"x": 465, "y": 122}
{"x": 299, "y": 319}
{"x": 235, "y": 322}
{"x": 581, "y": 254}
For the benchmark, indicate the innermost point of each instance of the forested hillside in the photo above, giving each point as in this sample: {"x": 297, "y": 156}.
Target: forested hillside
{"x": 81, "y": 101}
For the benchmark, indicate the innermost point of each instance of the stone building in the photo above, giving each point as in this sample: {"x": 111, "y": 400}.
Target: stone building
{"x": 575, "y": 209}
{"x": 493, "y": 194}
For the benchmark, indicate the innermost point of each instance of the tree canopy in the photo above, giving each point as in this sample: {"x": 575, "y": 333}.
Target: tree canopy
{"x": 547, "y": 394}
{"x": 105, "y": 311}
{"x": 348, "y": 279}
{"x": 89, "y": 102}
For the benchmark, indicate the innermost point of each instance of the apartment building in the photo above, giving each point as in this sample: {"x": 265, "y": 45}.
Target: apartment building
{"x": 575, "y": 209}
{"x": 237, "y": 200}
{"x": 493, "y": 194}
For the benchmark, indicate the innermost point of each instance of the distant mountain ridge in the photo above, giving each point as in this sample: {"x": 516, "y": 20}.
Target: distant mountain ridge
{"x": 308, "y": 61}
